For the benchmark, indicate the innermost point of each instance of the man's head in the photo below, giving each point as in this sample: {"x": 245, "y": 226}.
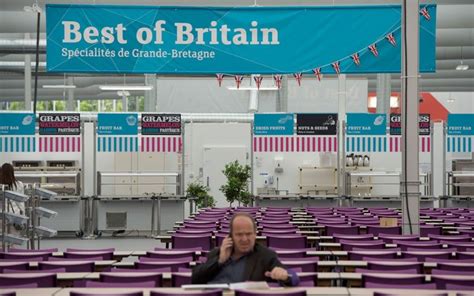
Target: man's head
{"x": 243, "y": 232}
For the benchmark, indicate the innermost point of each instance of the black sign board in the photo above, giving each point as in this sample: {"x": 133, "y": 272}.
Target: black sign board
{"x": 161, "y": 124}
{"x": 316, "y": 124}
{"x": 59, "y": 124}
{"x": 424, "y": 124}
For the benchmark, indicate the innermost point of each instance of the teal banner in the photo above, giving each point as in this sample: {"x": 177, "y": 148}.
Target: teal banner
{"x": 232, "y": 40}
{"x": 461, "y": 124}
{"x": 366, "y": 124}
{"x": 17, "y": 124}
{"x": 274, "y": 124}
{"x": 117, "y": 124}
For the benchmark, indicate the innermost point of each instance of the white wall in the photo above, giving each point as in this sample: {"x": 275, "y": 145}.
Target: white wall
{"x": 463, "y": 101}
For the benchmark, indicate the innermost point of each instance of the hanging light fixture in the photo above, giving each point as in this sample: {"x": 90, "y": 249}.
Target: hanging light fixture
{"x": 461, "y": 66}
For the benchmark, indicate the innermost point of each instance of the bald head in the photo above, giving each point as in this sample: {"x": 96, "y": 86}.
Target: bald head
{"x": 243, "y": 232}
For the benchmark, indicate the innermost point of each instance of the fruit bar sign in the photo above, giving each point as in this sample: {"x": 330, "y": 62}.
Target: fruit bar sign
{"x": 161, "y": 124}
{"x": 424, "y": 124}
{"x": 60, "y": 124}
{"x": 316, "y": 124}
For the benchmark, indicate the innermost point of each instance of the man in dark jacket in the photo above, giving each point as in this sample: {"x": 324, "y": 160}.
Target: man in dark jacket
{"x": 240, "y": 259}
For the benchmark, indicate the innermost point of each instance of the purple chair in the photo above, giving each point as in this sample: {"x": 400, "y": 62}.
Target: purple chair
{"x": 287, "y": 241}
{"x": 86, "y": 258}
{"x": 25, "y": 286}
{"x": 395, "y": 271}
{"x": 465, "y": 255}
{"x": 14, "y": 265}
{"x": 163, "y": 260}
{"x": 267, "y": 231}
{"x": 450, "y": 286}
{"x": 380, "y": 254}
{"x": 451, "y": 272}
{"x": 394, "y": 265}
{"x": 95, "y": 284}
{"x": 364, "y": 237}
{"x": 459, "y": 246}
{"x": 26, "y": 256}
{"x": 422, "y": 255}
{"x": 193, "y": 231}
{"x": 291, "y": 253}
{"x": 155, "y": 270}
{"x": 404, "y": 294}
{"x": 110, "y": 277}
{"x": 396, "y": 280}
{"x": 350, "y": 245}
{"x": 390, "y": 238}
{"x": 461, "y": 266}
{"x": 442, "y": 280}
{"x": 171, "y": 254}
{"x": 69, "y": 266}
{"x": 189, "y": 292}
{"x": 42, "y": 280}
{"x": 180, "y": 241}
{"x": 427, "y": 230}
{"x": 451, "y": 238}
{"x": 86, "y": 293}
{"x": 377, "y": 230}
{"x": 306, "y": 264}
{"x": 278, "y": 226}
{"x": 404, "y": 245}
{"x": 54, "y": 270}
{"x": 179, "y": 279}
{"x": 18, "y": 250}
{"x": 345, "y": 230}
{"x": 269, "y": 293}
{"x": 105, "y": 255}
{"x": 174, "y": 265}
{"x": 90, "y": 250}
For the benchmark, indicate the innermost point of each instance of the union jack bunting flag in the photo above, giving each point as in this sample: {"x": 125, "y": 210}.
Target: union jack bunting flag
{"x": 336, "y": 67}
{"x": 238, "y": 80}
{"x": 373, "y": 49}
{"x": 317, "y": 73}
{"x": 220, "y": 77}
{"x": 278, "y": 79}
{"x": 59, "y": 143}
{"x": 258, "y": 81}
{"x": 424, "y": 12}
{"x": 356, "y": 59}
{"x": 295, "y": 144}
{"x": 391, "y": 39}
{"x": 161, "y": 144}
{"x": 298, "y": 77}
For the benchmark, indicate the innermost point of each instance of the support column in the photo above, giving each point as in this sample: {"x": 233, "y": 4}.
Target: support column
{"x": 384, "y": 91}
{"x": 341, "y": 164}
{"x": 151, "y": 96}
{"x": 410, "y": 182}
{"x": 124, "y": 102}
{"x": 28, "y": 79}
{"x": 70, "y": 95}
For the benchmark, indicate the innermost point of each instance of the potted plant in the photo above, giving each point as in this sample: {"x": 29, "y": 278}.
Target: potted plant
{"x": 236, "y": 188}
{"x": 197, "y": 190}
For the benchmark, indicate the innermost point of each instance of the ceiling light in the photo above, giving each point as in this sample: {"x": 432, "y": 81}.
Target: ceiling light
{"x": 450, "y": 100}
{"x": 60, "y": 86}
{"x": 462, "y": 67}
{"x": 33, "y": 8}
{"x": 126, "y": 87}
{"x": 252, "y": 88}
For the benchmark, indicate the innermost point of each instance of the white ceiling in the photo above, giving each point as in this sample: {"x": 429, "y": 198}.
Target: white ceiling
{"x": 455, "y": 30}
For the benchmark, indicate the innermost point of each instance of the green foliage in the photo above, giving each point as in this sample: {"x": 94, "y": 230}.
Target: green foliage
{"x": 199, "y": 191}
{"x": 236, "y": 188}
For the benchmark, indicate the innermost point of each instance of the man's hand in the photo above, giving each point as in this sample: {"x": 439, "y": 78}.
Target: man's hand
{"x": 278, "y": 274}
{"x": 225, "y": 249}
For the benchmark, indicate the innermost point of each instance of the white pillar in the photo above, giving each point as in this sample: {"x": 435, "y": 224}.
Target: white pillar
{"x": 410, "y": 182}
{"x": 253, "y": 98}
{"x": 383, "y": 93}
{"x": 151, "y": 96}
{"x": 28, "y": 100}
{"x": 70, "y": 95}
{"x": 341, "y": 96}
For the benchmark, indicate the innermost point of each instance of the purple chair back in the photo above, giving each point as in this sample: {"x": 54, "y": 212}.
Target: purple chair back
{"x": 18, "y": 250}
{"x": 155, "y": 270}
{"x": 286, "y": 241}
{"x": 13, "y": 265}
{"x": 460, "y": 246}
{"x": 179, "y": 279}
{"x": 269, "y": 293}
{"x": 339, "y": 237}
{"x": 111, "y": 277}
{"x": 25, "y": 286}
{"x": 377, "y": 230}
{"x": 54, "y": 270}
{"x": 90, "y": 250}
{"x": 86, "y": 258}
{"x": 374, "y": 244}
{"x": 462, "y": 266}
{"x": 189, "y": 292}
{"x": 291, "y": 253}
{"x": 42, "y": 280}
{"x": 86, "y": 293}
{"x": 174, "y": 265}
{"x": 395, "y": 271}
{"x": 459, "y": 287}
{"x": 68, "y": 266}
{"x": 442, "y": 280}
{"x": 171, "y": 254}
{"x": 422, "y": 255}
{"x": 164, "y": 260}
{"x": 451, "y": 272}
{"x": 426, "y": 230}
{"x": 395, "y": 279}
{"x": 333, "y": 229}
{"x": 417, "y": 266}
{"x": 385, "y": 254}
{"x": 404, "y": 245}
{"x": 144, "y": 284}
{"x": 27, "y": 256}
{"x": 105, "y": 255}
{"x": 188, "y": 241}
{"x": 465, "y": 255}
